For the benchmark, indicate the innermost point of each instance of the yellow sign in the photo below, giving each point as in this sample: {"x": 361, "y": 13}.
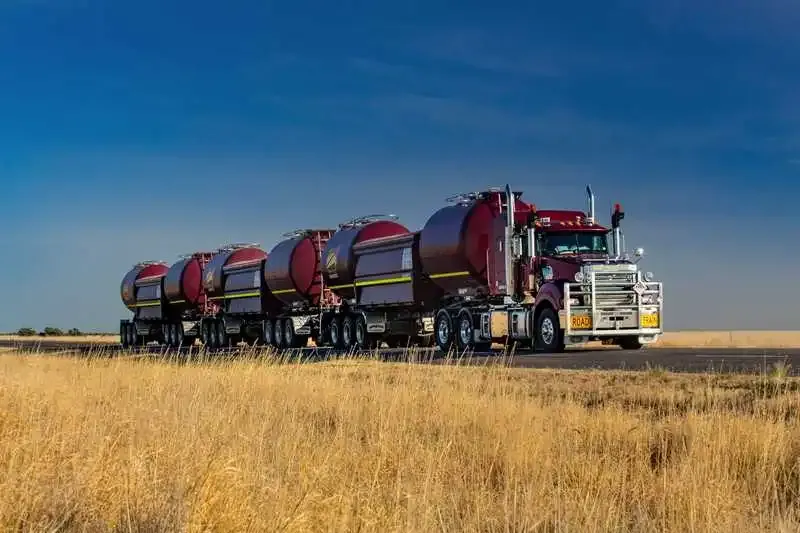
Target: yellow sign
{"x": 580, "y": 322}
{"x": 649, "y": 321}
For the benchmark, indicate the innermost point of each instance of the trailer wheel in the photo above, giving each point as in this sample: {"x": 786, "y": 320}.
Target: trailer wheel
{"x": 290, "y": 340}
{"x": 222, "y": 335}
{"x": 336, "y": 333}
{"x": 364, "y": 340}
{"x": 278, "y": 334}
{"x": 443, "y": 330}
{"x": 123, "y": 335}
{"x": 134, "y": 336}
{"x": 268, "y": 333}
{"x": 180, "y": 336}
{"x": 465, "y": 333}
{"x": 348, "y": 332}
{"x": 548, "y": 335}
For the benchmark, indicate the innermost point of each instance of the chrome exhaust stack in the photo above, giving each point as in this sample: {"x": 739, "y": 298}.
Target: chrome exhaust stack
{"x": 591, "y": 204}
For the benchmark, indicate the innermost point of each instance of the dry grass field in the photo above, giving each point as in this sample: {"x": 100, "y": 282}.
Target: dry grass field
{"x": 263, "y": 445}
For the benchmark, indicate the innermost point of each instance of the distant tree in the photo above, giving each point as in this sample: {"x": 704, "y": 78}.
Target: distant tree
{"x": 26, "y": 332}
{"x": 74, "y": 332}
{"x": 52, "y": 332}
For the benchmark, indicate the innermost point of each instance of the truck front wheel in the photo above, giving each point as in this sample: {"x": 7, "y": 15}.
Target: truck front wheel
{"x": 630, "y": 343}
{"x": 549, "y": 337}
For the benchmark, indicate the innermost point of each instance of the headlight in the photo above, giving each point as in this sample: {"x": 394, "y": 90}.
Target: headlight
{"x": 650, "y": 299}
{"x": 648, "y": 276}
{"x": 578, "y": 276}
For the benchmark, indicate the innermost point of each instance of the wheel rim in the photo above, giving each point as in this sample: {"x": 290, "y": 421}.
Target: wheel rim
{"x": 548, "y": 330}
{"x": 443, "y": 330}
{"x": 334, "y": 333}
{"x": 221, "y": 333}
{"x": 288, "y": 332}
{"x": 178, "y": 334}
{"x": 346, "y": 333}
{"x": 360, "y": 334}
{"x": 267, "y": 332}
{"x": 465, "y": 331}
{"x": 278, "y": 332}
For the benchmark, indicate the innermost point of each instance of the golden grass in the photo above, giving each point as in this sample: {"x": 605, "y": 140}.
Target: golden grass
{"x": 253, "y": 445}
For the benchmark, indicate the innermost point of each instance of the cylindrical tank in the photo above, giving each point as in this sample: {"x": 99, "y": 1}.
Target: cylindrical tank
{"x": 183, "y": 283}
{"x": 213, "y": 280}
{"x": 145, "y": 269}
{"x": 339, "y": 261}
{"x": 292, "y": 269}
{"x": 455, "y": 239}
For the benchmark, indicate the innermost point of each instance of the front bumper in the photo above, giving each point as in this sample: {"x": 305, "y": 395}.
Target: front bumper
{"x": 613, "y": 311}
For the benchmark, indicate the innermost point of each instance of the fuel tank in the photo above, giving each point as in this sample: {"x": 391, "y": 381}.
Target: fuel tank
{"x": 140, "y": 272}
{"x": 183, "y": 283}
{"x": 233, "y": 255}
{"x": 292, "y": 270}
{"x": 455, "y": 239}
{"x": 340, "y": 265}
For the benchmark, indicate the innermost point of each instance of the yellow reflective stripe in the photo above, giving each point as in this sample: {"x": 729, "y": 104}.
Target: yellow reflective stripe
{"x": 240, "y": 295}
{"x": 386, "y": 281}
{"x": 334, "y": 287}
{"x": 284, "y": 291}
{"x": 178, "y": 302}
{"x": 449, "y": 275}
{"x": 147, "y": 304}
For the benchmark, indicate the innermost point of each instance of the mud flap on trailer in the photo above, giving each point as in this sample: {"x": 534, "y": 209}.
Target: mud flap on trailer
{"x": 233, "y": 326}
{"x": 191, "y": 328}
{"x": 376, "y": 322}
{"x": 302, "y": 324}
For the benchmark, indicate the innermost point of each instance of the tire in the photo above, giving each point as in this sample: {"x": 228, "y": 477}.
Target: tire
{"x": 268, "y": 331}
{"x": 548, "y": 334}
{"x": 222, "y": 335}
{"x": 443, "y": 331}
{"x": 336, "y": 333}
{"x": 205, "y": 334}
{"x": 289, "y": 337}
{"x": 123, "y": 335}
{"x": 348, "y": 333}
{"x": 277, "y": 333}
{"x": 180, "y": 336}
{"x": 464, "y": 333}
{"x": 364, "y": 340}
{"x": 134, "y": 336}
{"x": 630, "y": 343}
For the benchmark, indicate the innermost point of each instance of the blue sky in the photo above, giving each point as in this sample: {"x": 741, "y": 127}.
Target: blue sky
{"x": 143, "y": 130}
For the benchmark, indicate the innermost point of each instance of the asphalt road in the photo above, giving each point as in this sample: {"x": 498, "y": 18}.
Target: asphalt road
{"x": 735, "y": 360}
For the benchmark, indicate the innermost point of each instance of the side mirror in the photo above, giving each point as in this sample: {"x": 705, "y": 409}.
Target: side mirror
{"x": 639, "y": 252}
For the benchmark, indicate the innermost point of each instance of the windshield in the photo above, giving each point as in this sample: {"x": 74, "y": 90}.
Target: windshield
{"x": 572, "y": 242}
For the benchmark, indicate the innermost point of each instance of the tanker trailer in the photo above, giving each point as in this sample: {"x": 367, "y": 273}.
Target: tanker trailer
{"x": 141, "y": 292}
{"x": 384, "y": 238}
{"x": 232, "y": 281}
{"x": 292, "y": 274}
{"x": 186, "y": 296}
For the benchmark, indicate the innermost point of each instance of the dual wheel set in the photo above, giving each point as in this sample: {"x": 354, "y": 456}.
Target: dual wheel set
{"x": 349, "y": 330}
{"x": 456, "y": 329}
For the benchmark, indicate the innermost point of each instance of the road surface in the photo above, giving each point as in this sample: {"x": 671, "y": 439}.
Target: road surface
{"x": 736, "y": 360}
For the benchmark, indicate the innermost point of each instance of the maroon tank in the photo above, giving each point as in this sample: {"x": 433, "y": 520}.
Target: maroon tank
{"x": 292, "y": 269}
{"x": 139, "y": 272}
{"x": 455, "y": 239}
{"x": 339, "y": 260}
{"x": 183, "y": 283}
{"x": 227, "y": 256}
